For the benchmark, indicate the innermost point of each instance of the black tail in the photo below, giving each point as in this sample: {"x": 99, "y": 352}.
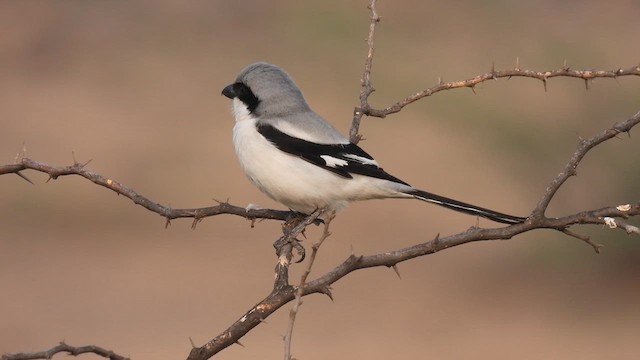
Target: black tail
{"x": 466, "y": 208}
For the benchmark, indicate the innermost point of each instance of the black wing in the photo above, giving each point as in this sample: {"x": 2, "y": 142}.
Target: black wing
{"x": 341, "y": 159}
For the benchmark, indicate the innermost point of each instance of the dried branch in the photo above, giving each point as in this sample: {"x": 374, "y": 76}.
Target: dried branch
{"x": 303, "y": 279}
{"x": 367, "y": 87}
{"x": 583, "y": 147}
{"x": 364, "y": 108}
{"x": 63, "y": 347}
{"x": 281, "y": 294}
{"x": 586, "y": 75}
{"x": 169, "y": 213}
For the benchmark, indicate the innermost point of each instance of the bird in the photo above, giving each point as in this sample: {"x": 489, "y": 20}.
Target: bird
{"x": 300, "y": 160}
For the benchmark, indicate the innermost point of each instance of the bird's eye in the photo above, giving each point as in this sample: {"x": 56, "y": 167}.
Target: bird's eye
{"x": 244, "y": 93}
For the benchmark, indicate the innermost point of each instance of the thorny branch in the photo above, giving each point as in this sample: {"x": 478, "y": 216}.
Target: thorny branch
{"x": 543, "y": 76}
{"x": 367, "y": 87}
{"x": 63, "y": 347}
{"x": 364, "y": 108}
{"x": 169, "y": 213}
{"x": 303, "y": 280}
{"x": 283, "y": 292}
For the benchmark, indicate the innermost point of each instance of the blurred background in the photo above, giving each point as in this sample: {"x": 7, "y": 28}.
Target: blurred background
{"x": 135, "y": 87}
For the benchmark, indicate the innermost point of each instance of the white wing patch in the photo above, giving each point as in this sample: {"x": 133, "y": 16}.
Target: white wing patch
{"x": 361, "y": 160}
{"x": 333, "y": 162}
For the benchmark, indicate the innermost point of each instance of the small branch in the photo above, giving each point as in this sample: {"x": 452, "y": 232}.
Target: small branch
{"x": 281, "y": 294}
{"x": 543, "y": 76}
{"x": 583, "y": 147}
{"x": 587, "y": 239}
{"x": 367, "y": 87}
{"x": 63, "y": 347}
{"x": 169, "y": 213}
{"x": 298, "y": 295}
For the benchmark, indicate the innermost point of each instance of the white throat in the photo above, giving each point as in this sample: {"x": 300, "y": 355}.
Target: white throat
{"x": 241, "y": 112}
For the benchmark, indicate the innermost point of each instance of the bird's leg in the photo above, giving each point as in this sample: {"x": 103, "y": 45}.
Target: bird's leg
{"x": 296, "y": 224}
{"x": 290, "y": 237}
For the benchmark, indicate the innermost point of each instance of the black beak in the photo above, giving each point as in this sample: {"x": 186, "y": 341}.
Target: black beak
{"x": 228, "y": 92}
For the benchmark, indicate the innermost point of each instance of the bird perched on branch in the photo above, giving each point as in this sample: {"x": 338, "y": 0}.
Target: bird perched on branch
{"x": 300, "y": 160}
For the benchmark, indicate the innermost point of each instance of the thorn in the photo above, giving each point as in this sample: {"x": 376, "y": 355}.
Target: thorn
{"x": 73, "y": 156}
{"x": 263, "y": 321}
{"x": 586, "y": 84}
{"x": 238, "y": 342}
{"x": 193, "y": 345}
{"x": 24, "y": 177}
{"x": 327, "y": 291}
{"x": 440, "y": 82}
{"x": 544, "y": 83}
{"x": 253, "y": 222}
{"x": 221, "y": 203}
{"x": 436, "y": 240}
{"x": 195, "y": 222}
{"x": 493, "y": 69}
{"x": 395, "y": 268}
{"x": 167, "y": 223}
{"x": 85, "y": 164}
{"x": 517, "y": 63}
{"x": 473, "y": 88}
{"x": 564, "y": 66}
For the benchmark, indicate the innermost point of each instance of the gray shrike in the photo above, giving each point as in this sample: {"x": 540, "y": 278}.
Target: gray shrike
{"x": 300, "y": 160}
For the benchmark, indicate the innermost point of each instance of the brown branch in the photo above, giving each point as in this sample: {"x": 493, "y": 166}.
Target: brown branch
{"x": 367, "y": 87}
{"x": 281, "y": 294}
{"x": 543, "y": 76}
{"x": 169, "y": 213}
{"x": 364, "y": 108}
{"x": 63, "y": 347}
{"x": 583, "y": 147}
{"x": 303, "y": 279}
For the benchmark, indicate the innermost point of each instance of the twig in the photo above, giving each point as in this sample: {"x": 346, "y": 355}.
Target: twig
{"x": 63, "y": 347}
{"x": 169, "y": 213}
{"x": 303, "y": 279}
{"x": 543, "y": 76}
{"x": 367, "y": 87}
{"x": 583, "y": 147}
{"x": 281, "y": 294}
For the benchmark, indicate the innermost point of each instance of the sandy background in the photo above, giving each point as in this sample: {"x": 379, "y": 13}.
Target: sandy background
{"x": 136, "y": 87}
